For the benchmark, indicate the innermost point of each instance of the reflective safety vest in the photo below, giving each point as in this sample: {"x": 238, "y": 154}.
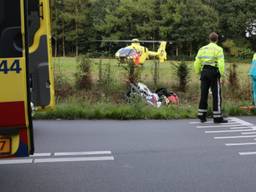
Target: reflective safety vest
{"x": 212, "y": 55}
{"x": 252, "y": 71}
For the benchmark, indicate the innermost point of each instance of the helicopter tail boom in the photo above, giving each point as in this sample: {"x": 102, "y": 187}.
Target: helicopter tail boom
{"x": 161, "y": 53}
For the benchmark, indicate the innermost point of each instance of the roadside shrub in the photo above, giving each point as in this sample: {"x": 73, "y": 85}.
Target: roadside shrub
{"x": 63, "y": 87}
{"x": 133, "y": 71}
{"x": 83, "y": 76}
{"x": 182, "y": 73}
{"x": 233, "y": 77}
{"x": 106, "y": 81}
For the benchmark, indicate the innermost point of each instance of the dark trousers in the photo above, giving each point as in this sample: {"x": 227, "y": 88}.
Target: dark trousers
{"x": 210, "y": 78}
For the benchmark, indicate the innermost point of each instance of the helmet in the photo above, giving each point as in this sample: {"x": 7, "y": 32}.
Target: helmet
{"x": 135, "y": 40}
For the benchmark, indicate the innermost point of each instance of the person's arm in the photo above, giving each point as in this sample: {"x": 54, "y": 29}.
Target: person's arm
{"x": 221, "y": 62}
{"x": 254, "y": 59}
{"x": 198, "y": 63}
{"x": 253, "y": 66}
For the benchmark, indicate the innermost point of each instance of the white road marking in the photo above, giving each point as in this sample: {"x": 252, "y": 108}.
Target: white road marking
{"x": 240, "y": 121}
{"x": 211, "y": 122}
{"x": 234, "y": 128}
{"x": 236, "y": 137}
{"x": 83, "y": 153}
{"x": 218, "y": 126}
{"x": 41, "y": 155}
{"x": 48, "y": 158}
{"x": 247, "y": 153}
{"x": 15, "y": 161}
{"x": 239, "y": 144}
{"x": 230, "y": 131}
{"x": 194, "y": 122}
{"x": 234, "y": 125}
{"x": 231, "y": 120}
{"x": 74, "y": 159}
{"x": 248, "y": 133}
{"x": 198, "y": 122}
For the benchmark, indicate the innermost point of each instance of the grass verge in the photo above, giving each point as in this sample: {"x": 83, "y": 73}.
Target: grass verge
{"x": 73, "y": 111}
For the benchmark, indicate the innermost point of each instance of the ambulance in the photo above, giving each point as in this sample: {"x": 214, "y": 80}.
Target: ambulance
{"x": 26, "y": 72}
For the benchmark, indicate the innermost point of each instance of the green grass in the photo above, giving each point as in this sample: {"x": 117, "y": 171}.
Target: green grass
{"x": 116, "y": 111}
{"x": 108, "y": 110}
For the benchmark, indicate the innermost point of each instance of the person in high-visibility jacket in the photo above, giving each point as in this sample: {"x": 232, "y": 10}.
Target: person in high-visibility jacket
{"x": 210, "y": 65}
{"x": 252, "y": 73}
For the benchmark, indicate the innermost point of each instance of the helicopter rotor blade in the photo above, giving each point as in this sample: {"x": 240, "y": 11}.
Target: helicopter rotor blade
{"x": 130, "y": 41}
{"x": 155, "y": 41}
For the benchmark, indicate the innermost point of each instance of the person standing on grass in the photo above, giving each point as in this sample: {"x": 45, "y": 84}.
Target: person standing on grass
{"x": 210, "y": 65}
{"x": 252, "y": 73}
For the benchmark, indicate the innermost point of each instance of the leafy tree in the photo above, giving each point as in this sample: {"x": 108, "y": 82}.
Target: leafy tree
{"x": 69, "y": 20}
{"x": 185, "y": 22}
{"x": 237, "y": 18}
{"x": 58, "y": 25}
{"x": 238, "y": 48}
{"x": 127, "y": 19}
{"x": 188, "y": 23}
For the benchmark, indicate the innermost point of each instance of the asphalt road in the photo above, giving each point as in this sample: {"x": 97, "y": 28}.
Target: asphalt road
{"x": 136, "y": 156}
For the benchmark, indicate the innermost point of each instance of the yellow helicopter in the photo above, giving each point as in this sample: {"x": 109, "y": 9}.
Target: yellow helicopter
{"x": 137, "y": 54}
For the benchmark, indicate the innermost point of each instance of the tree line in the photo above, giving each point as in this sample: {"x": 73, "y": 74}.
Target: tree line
{"x": 79, "y": 25}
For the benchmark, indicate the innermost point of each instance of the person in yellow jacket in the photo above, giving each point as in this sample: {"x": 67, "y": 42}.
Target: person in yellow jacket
{"x": 210, "y": 65}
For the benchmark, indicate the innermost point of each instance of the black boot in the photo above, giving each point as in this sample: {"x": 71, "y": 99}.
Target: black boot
{"x": 202, "y": 118}
{"x": 220, "y": 120}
